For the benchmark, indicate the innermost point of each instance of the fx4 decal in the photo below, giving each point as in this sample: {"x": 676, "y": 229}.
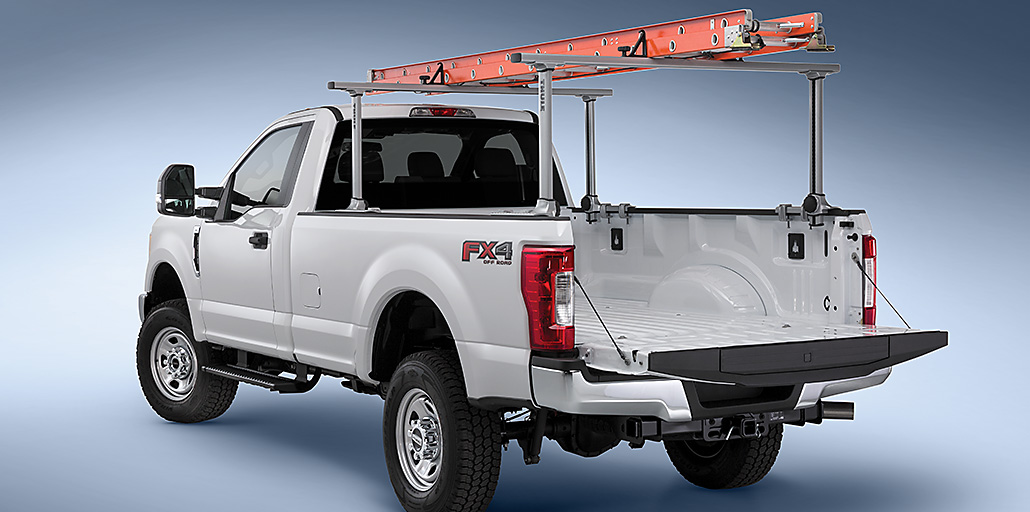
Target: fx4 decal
{"x": 492, "y": 253}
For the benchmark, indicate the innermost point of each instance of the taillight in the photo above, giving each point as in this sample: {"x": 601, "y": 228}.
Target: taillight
{"x": 441, "y": 111}
{"x": 547, "y": 289}
{"x": 868, "y": 289}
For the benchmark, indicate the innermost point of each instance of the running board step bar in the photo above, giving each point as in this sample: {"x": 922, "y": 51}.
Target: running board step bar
{"x": 265, "y": 380}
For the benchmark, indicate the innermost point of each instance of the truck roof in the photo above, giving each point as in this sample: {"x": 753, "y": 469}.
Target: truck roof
{"x": 394, "y": 110}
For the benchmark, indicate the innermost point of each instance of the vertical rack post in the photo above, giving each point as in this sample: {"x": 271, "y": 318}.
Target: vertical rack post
{"x": 545, "y": 205}
{"x": 816, "y": 125}
{"x": 590, "y": 203}
{"x": 815, "y": 203}
{"x": 357, "y": 201}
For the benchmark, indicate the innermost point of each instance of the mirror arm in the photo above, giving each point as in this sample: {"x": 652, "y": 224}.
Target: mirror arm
{"x": 206, "y": 212}
{"x": 213, "y": 193}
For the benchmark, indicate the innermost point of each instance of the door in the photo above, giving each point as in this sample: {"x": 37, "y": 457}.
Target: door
{"x": 235, "y": 248}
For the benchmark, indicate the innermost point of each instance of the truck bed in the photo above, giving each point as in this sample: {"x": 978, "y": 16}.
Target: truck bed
{"x": 741, "y": 349}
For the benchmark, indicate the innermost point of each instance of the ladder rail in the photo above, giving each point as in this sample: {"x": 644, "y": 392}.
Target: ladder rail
{"x": 723, "y": 36}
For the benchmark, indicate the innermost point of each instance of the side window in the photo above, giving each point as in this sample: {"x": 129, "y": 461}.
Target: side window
{"x": 259, "y": 180}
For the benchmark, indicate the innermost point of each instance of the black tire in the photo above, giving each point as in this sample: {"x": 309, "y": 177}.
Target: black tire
{"x": 726, "y": 464}
{"x": 209, "y": 395}
{"x": 469, "y": 460}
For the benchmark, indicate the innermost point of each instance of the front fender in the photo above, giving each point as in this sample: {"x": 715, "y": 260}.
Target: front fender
{"x": 171, "y": 242}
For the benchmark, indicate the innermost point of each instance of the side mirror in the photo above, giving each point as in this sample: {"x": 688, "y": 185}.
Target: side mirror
{"x": 175, "y": 190}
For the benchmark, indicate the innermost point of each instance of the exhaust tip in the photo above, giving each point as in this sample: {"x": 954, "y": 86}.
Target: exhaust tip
{"x": 837, "y": 410}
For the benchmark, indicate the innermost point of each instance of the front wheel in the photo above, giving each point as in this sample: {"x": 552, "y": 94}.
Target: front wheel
{"x": 726, "y": 464}
{"x": 442, "y": 453}
{"x": 169, "y": 362}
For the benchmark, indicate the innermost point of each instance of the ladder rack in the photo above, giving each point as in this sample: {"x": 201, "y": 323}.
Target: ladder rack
{"x": 714, "y": 42}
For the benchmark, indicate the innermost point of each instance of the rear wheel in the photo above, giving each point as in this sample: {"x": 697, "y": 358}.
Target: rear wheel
{"x": 726, "y": 464}
{"x": 442, "y": 453}
{"x": 169, "y": 362}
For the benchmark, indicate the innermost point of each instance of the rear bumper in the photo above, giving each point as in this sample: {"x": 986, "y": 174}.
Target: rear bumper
{"x": 570, "y": 392}
{"x": 697, "y": 384}
{"x": 574, "y": 389}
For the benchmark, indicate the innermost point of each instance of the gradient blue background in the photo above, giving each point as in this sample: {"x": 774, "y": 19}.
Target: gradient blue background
{"x": 926, "y": 129}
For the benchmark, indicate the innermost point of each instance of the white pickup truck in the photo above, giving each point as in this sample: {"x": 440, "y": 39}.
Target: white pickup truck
{"x": 441, "y": 269}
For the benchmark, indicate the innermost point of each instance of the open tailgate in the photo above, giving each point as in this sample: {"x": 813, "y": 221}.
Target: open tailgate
{"x": 747, "y": 350}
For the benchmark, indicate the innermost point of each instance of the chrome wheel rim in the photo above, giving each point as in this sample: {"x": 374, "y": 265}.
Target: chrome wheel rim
{"x": 173, "y": 363}
{"x": 419, "y": 440}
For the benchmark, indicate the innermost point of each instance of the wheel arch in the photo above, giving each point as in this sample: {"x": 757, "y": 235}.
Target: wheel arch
{"x": 394, "y": 273}
{"x": 171, "y": 254}
{"x": 408, "y": 321}
{"x": 163, "y": 284}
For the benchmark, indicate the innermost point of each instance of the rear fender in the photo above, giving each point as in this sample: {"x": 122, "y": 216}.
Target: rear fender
{"x": 394, "y": 272}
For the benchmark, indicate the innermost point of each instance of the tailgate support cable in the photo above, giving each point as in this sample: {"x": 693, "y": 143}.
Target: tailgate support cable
{"x": 855, "y": 258}
{"x": 598, "y": 315}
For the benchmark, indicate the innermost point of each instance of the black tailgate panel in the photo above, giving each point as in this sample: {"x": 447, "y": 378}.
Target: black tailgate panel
{"x": 804, "y": 356}
{"x": 778, "y": 364}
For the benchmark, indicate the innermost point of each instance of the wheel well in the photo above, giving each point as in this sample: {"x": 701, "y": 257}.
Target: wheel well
{"x": 409, "y": 323}
{"x": 166, "y": 286}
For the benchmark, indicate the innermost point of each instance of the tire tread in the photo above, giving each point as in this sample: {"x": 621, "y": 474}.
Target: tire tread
{"x": 208, "y": 401}
{"x": 479, "y": 436}
{"x": 743, "y": 463}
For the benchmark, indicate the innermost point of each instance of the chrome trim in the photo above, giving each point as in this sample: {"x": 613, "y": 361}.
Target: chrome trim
{"x": 812, "y": 392}
{"x": 570, "y": 392}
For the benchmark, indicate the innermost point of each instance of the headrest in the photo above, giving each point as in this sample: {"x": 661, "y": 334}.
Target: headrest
{"x": 371, "y": 167}
{"x": 495, "y": 163}
{"x": 425, "y": 164}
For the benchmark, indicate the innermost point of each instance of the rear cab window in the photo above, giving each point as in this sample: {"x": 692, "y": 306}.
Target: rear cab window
{"x": 412, "y": 163}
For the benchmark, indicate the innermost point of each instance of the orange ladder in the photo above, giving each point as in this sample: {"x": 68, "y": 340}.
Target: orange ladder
{"x": 725, "y": 36}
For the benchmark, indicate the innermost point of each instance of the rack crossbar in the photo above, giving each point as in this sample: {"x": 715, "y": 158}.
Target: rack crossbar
{"x": 640, "y": 63}
{"x": 368, "y": 87}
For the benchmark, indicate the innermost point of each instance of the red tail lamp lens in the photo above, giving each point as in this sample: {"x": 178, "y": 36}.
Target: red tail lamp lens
{"x": 868, "y": 288}
{"x": 547, "y": 290}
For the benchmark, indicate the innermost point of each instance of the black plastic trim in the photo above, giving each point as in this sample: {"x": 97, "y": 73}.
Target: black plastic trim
{"x": 782, "y": 364}
{"x": 496, "y": 403}
{"x": 293, "y": 163}
{"x": 448, "y": 216}
{"x": 332, "y": 108}
{"x": 698, "y": 411}
{"x": 336, "y": 112}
